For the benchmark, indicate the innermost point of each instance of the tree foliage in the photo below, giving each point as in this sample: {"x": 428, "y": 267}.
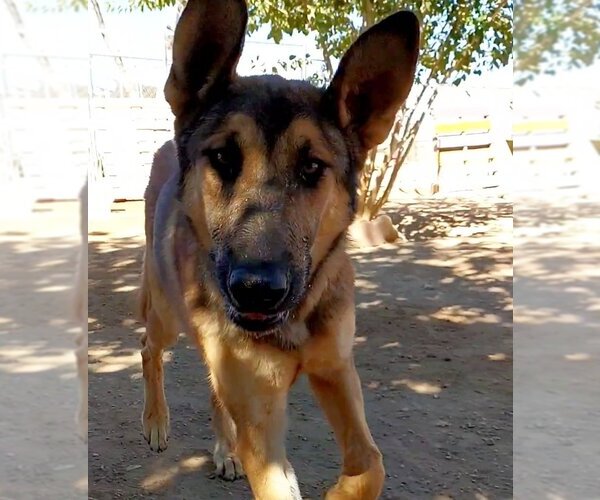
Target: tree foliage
{"x": 552, "y": 35}
{"x": 548, "y": 34}
{"x": 458, "y": 37}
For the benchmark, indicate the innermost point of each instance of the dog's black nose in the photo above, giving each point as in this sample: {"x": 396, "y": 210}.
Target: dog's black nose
{"x": 258, "y": 288}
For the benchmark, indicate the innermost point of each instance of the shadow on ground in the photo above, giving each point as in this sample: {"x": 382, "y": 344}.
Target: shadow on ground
{"x": 426, "y": 219}
{"x": 41, "y": 455}
{"x": 557, "y": 349}
{"x": 433, "y": 349}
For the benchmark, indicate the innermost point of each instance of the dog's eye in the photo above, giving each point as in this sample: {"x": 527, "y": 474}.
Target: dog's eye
{"x": 227, "y": 161}
{"x": 311, "y": 171}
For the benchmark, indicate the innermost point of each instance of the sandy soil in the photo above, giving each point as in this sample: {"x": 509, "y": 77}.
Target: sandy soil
{"x": 40, "y": 454}
{"x": 433, "y": 348}
{"x": 557, "y": 347}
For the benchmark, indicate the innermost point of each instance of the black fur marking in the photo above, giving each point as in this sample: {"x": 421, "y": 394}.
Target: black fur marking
{"x": 351, "y": 177}
{"x": 226, "y": 161}
{"x": 336, "y": 243}
{"x": 250, "y": 211}
{"x": 273, "y": 103}
{"x": 277, "y": 338}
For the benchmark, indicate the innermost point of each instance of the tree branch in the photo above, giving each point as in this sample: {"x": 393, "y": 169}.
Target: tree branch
{"x": 368, "y": 17}
{"x": 327, "y": 59}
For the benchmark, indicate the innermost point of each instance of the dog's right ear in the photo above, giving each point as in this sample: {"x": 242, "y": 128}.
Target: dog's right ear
{"x": 207, "y": 45}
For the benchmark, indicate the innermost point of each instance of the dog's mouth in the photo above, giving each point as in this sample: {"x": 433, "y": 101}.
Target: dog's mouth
{"x": 257, "y": 309}
{"x": 257, "y": 322}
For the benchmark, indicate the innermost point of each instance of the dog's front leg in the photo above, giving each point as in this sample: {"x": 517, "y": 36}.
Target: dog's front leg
{"x": 329, "y": 364}
{"x": 340, "y": 395}
{"x": 253, "y": 385}
{"x": 155, "y": 417}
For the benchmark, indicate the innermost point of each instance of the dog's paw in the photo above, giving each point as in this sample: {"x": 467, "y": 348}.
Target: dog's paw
{"x": 156, "y": 431}
{"x": 227, "y": 465}
{"x": 229, "y": 468}
{"x": 290, "y": 474}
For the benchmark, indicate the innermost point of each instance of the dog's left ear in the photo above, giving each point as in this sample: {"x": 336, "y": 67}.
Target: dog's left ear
{"x": 374, "y": 78}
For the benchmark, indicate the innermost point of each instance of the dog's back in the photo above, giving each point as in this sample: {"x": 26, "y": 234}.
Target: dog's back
{"x": 163, "y": 166}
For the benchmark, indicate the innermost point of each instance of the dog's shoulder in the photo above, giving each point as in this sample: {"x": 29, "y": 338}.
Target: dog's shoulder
{"x": 164, "y": 164}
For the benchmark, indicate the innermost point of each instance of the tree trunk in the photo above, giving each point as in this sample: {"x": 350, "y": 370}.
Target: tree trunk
{"x": 367, "y": 14}
{"x": 328, "y": 64}
{"x": 374, "y": 195}
{"x": 102, "y": 26}
{"x": 13, "y": 10}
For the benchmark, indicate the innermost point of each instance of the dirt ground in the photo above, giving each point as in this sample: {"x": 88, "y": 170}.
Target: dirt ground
{"x": 433, "y": 349}
{"x": 40, "y": 454}
{"x": 557, "y": 347}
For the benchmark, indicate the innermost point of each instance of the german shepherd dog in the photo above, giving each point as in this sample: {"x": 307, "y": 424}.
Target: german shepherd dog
{"x": 246, "y": 220}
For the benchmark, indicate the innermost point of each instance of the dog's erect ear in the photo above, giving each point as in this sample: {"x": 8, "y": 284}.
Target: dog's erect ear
{"x": 207, "y": 45}
{"x": 375, "y": 76}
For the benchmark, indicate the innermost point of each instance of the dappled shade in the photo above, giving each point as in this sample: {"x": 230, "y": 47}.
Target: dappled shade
{"x": 433, "y": 317}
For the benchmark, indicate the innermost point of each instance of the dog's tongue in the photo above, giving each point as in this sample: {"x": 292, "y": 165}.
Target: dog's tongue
{"x": 255, "y": 316}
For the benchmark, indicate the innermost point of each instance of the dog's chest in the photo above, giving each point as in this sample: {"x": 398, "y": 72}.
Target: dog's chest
{"x": 214, "y": 324}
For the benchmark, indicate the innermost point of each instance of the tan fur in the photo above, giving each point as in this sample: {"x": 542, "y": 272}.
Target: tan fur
{"x": 163, "y": 166}
{"x": 251, "y": 380}
{"x": 267, "y": 176}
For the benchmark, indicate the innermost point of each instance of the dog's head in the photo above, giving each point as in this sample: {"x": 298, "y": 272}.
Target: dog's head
{"x": 269, "y": 166}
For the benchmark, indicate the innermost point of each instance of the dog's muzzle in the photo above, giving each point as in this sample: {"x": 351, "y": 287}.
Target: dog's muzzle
{"x": 258, "y": 293}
